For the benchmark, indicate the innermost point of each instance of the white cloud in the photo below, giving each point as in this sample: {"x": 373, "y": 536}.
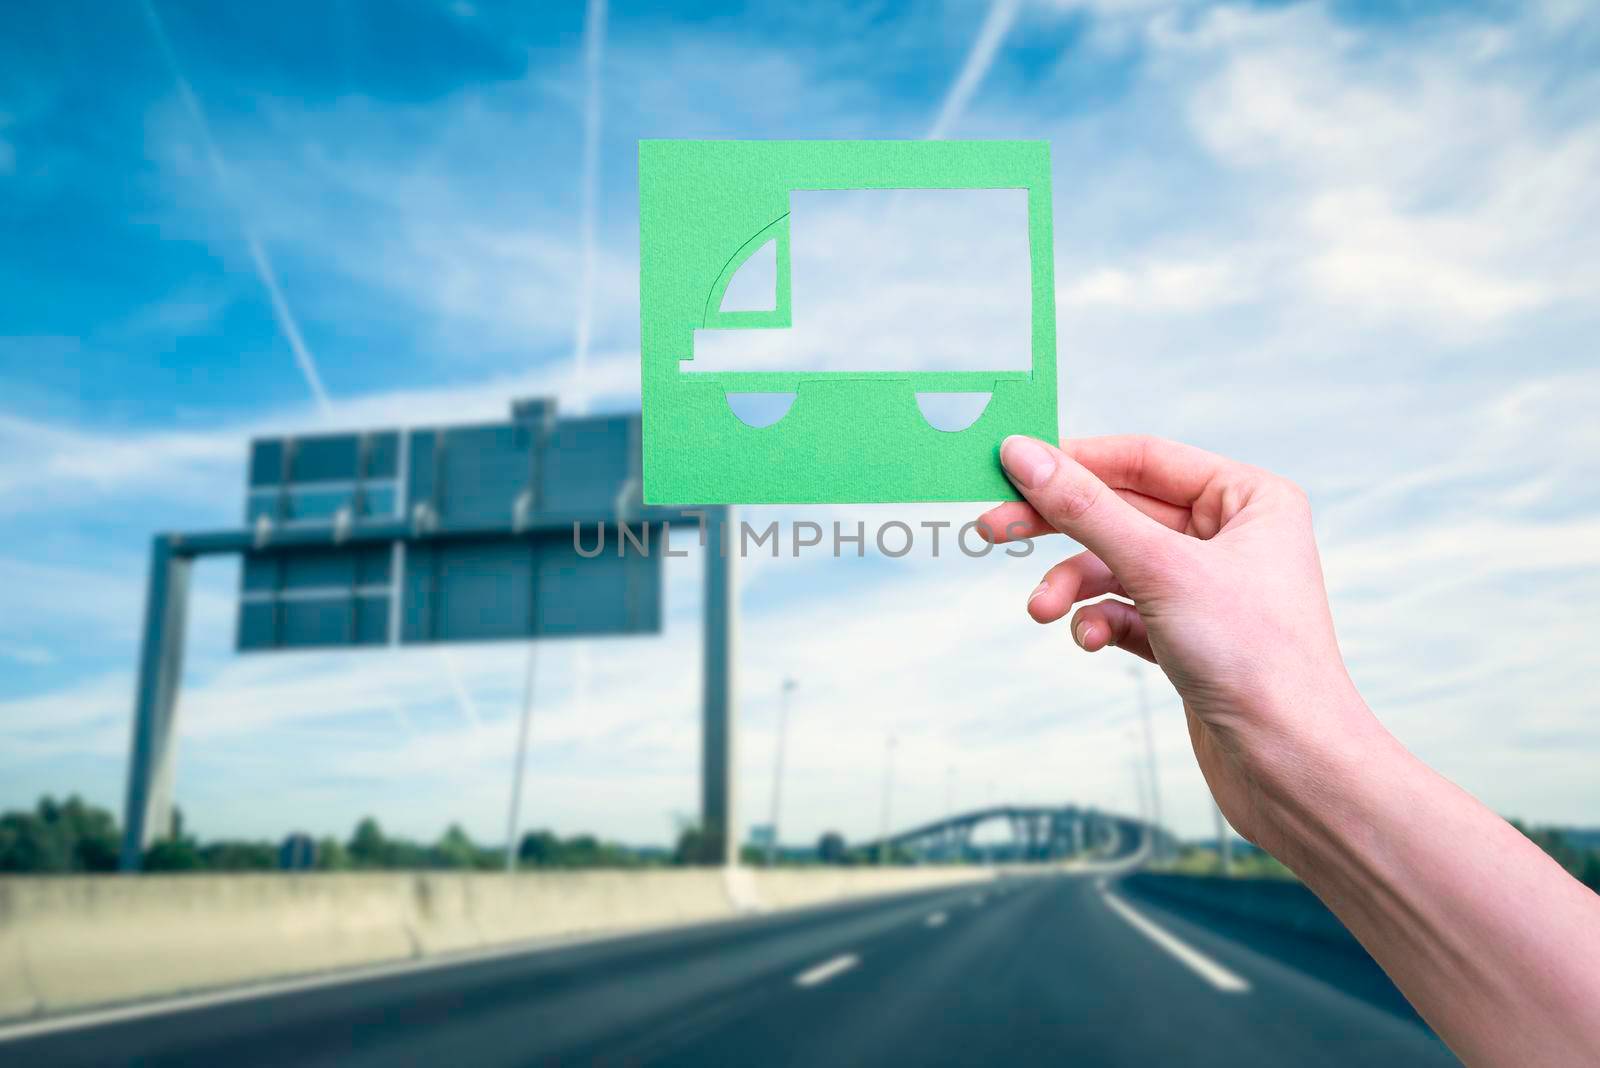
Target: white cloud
{"x": 49, "y": 465}
{"x": 1415, "y": 184}
{"x": 1162, "y": 286}
{"x": 30, "y": 655}
{"x": 1359, "y": 262}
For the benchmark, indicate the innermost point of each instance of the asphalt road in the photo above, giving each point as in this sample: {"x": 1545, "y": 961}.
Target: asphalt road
{"x": 1047, "y": 970}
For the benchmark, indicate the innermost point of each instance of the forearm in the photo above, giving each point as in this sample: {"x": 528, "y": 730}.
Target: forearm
{"x": 1494, "y": 943}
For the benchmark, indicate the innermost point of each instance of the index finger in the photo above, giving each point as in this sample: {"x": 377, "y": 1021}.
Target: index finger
{"x": 1017, "y": 520}
{"x": 1166, "y": 470}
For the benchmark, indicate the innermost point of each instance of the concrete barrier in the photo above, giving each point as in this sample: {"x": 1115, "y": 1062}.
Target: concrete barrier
{"x": 470, "y": 911}
{"x": 794, "y": 888}
{"x": 1279, "y": 903}
{"x": 79, "y": 941}
{"x": 17, "y": 995}
{"x": 90, "y": 940}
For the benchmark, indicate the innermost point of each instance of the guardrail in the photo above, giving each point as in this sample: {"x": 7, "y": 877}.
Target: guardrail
{"x": 79, "y": 941}
{"x": 1279, "y": 903}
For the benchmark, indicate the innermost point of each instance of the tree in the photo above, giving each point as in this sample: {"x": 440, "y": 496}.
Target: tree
{"x": 1591, "y": 870}
{"x": 455, "y": 849}
{"x": 368, "y": 847}
{"x": 238, "y": 856}
{"x": 173, "y": 854}
{"x": 539, "y": 848}
{"x": 831, "y": 848}
{"x": 67, "y": 837}
{"x": 1556, "y": 844}
{"x": 332, "y": 855}
{"x": 691, "y": 848}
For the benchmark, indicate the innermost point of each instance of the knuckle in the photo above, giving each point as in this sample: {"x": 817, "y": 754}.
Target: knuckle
{"x": 1296, "y": 495}
{"x": 1144, "y": 447}
{"x": 1077, "y": 498}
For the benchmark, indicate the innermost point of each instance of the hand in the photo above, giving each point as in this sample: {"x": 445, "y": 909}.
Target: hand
{"x": 1486, "y": 935}
{"x": 1220, "y": 563}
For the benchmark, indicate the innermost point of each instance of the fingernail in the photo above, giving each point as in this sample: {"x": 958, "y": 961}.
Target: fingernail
{"x": 1037, "y": 590}
{"x": 1028, "y": 462}
{"x": 1084, "y": 632}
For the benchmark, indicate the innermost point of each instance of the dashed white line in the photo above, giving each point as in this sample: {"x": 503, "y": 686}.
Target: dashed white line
{"x": 936, "y": 919}
{"x": 1197, "y": 962}
{"x": 827, "y": 970}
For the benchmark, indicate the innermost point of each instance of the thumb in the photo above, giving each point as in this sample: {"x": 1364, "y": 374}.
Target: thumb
{"x": 1073, "y": 500}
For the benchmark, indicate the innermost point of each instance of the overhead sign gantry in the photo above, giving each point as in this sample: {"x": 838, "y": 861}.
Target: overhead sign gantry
{"x": 442, "y": 534}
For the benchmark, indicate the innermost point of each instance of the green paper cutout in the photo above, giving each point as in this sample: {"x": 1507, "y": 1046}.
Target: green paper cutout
{"x": 705, "y": 207}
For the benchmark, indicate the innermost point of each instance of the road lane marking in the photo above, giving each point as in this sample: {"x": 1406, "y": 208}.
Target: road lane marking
{"x": 1197, "y": 962}
{"x": 977, "y": 900}
{"x": 827, "y": 970}
{"x": 936, "y": 919}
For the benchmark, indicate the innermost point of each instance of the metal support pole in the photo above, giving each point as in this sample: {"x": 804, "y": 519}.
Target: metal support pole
{"x": 147, "y": 813}
{"x": 717, "y": 724}
{"x": 520, "y": 761}
{"x": 1143, "y": 796}
{"x": 1224, "y": 841}
{"x": 1150, "y": 757}
{"x": 784, "y": 691}
{"x": 888, "y": 796}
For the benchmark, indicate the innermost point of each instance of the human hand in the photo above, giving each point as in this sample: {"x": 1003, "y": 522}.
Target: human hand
{"x": 1221, "y": 566}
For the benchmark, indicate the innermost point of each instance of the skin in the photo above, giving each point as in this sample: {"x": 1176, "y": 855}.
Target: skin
{"x": 1212, "y": 573}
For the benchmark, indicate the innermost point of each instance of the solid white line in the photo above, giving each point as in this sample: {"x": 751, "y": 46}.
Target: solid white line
{"x": 1197, "y": 962}
{"x": 827, "y": 970}
{"x": 936, "y": 919}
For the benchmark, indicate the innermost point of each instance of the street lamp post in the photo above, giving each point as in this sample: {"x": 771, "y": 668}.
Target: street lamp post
{"x": 950, "y": 839}
{"x": 1150, "y": 760}
{"x": 1224, "y": 840}
{"x": 788, "y": 687}
{"x": 520, "y": 760}
{"x": 888, "y": 793}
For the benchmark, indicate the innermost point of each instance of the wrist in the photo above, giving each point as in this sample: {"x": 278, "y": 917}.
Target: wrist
{"x": 1324, "y": 778}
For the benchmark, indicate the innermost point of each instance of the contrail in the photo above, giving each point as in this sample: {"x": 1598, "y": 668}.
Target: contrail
{"x": 258, "y": 254}
{"x": 594, "y": 41}
{"x": 464, "y": 701}
{"x": 1002, "y": 13}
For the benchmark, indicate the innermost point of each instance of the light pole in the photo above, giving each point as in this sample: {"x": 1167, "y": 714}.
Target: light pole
{"x": 1224, "y": 840}
{"x": 788, "y": 687}
{"x": 888, "y": 793}
{"x": 1150, "y": 759}
{"x": 519, "y": 762}
{"x": 949, "y": 810}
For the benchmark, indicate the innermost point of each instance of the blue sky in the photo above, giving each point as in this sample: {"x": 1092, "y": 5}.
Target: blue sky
{"x": 1351, "y": 242}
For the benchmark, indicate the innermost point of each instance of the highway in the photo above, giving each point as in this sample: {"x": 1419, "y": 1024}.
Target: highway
{"x": 1026, "y": 970}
